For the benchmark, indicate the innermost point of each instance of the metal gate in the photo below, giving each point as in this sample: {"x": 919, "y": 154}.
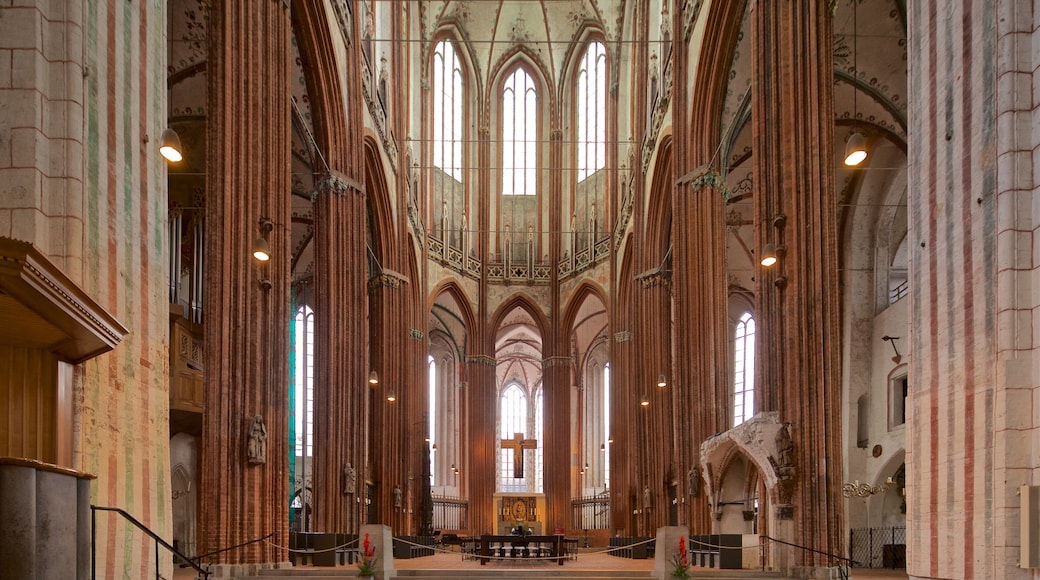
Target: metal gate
{"x": 878, "y": 547}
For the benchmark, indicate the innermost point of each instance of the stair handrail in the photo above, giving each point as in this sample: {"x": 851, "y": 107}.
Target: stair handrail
{"x": 843, "y": 562}
{"x": 158, "y": 541}
{"x": 235, "y": 547}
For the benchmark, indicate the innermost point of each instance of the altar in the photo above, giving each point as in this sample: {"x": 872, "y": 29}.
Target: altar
{"x": 512, "y": 546}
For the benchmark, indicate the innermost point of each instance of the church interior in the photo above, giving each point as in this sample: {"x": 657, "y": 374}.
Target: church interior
{"x": 767, "y": 268}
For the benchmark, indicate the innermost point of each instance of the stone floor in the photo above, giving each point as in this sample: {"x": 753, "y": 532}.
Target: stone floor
{"x": 590, "y": 560}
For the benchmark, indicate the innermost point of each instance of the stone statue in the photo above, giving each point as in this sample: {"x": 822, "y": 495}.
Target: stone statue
{"x": 785, "y": 446}
{"x": 695, "y": 481}
{"x": 397, "y": 496}
{"x": 647, "y": 498}
{"x": 349, "y": 479}
{"x": 256, "y": 451}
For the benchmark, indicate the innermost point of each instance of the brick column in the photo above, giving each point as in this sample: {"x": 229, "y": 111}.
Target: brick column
{"x": 388, "y": 428}
{"x": 247, "y": 320}
{"x": 556, "y": 368}
{"x": 341, "y": 389}
{"x": 701, "y": 383}
{"x": 797, "y": 323}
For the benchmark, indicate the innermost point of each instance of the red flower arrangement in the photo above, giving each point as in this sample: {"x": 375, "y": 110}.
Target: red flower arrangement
{"x": 681, "y": 560}
{"x": 367, "y": 565}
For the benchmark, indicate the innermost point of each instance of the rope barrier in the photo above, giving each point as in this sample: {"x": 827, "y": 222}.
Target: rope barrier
{"x": 311, "y": 551}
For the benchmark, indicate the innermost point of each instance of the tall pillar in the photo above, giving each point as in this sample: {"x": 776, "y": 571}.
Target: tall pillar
{"x": 797, "y": 315}
{"x": 247, "y": 324}
{"x": 341, "y": 354}
{"x": 658, "y": 446}
{"x": 482, "y": 444}
{"x": 556, "y": 367}
{"x": 388, "y": 423}
{"x": 700, "y": 383}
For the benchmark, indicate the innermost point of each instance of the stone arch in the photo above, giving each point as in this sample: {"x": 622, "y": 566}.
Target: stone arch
{"x": 755, "y": 440}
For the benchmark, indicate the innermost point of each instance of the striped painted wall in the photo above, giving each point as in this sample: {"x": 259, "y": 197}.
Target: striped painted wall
{"x": 973, "y": 424}
{"x": 123, "y": 430}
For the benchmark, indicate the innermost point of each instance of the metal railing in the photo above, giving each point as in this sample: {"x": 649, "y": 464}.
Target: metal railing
{"x": 450, "y": 513}
{"x": 843, "y": 563}
{"x": 591, "y": 512}
{"x": 158, "y": 541}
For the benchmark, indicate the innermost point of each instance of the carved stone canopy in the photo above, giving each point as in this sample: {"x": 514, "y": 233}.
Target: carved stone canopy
{"x": 756, "y": 439}
{"x": 42, "y": 308}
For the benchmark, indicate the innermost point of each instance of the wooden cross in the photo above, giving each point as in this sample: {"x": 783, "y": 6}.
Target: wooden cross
{"x": 518, "y": 444}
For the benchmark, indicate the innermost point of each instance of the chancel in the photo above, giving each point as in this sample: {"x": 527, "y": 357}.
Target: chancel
{"x": 594, "y": 267}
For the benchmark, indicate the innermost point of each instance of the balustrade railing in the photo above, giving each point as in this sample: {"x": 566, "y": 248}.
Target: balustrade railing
{"x": 591, "y": 512}
{"x": 450, "y": 513}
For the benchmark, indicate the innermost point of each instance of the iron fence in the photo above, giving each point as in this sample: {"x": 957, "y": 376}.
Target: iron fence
{"x": 878, "y": 547}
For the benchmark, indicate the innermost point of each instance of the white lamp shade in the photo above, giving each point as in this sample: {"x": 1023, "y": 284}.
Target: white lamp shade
{"x": 170, "y": 145}
{"x": 855, "y": 149}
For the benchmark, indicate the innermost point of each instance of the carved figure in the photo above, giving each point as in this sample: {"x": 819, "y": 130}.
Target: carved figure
{"x": 785, "y": 446}
{"x": 256, "y": 450}
{"x": 647, "y": 498}
{"x": 397, "y": 496}
{"x": 695, "y": 481}
{"x": 349, "y": 479}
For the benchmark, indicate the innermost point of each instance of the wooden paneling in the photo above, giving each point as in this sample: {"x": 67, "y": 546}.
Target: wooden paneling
{"x": 186, "y": 386}
{"x": 28, "y": 403}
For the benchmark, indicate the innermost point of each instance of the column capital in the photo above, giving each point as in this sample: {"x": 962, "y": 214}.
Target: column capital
{"x": 556, "y": 361}
{"x": 386, "y": 279}
{"x": 334, "y": 182}
{"x": 482, "y": 359}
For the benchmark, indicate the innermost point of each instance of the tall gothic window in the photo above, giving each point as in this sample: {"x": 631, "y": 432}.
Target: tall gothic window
{"x": 744, "y": 370}
{"x": 447, "y": 110}
{"x": 520, "y": 132}
{"x": 432, "y": 369}
{"x": 539, "y": 453}
{"x": 304, "y": 382}
{"x": 591, "y": 105}
{"x": 606, "y": 425}
{"x": 513, "y": 418}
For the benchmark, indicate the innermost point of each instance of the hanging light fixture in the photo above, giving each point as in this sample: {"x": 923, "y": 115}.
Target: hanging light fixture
{"x": 855, "y": 149}
{"x": 391, "y": 395}
{"x": 856, "y": 145}
{"x": 373, "y": 378}
{"x": 661, "y": 383}
{"x": 170, "y": 145}
{"x": 603, "y": 447}
{"x": 645, "y": 401}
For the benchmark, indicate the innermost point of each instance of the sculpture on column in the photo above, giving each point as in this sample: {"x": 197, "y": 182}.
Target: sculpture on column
{"x": 647, "y": 498}
{"x": 349, "y": 479}
{"x": 397, "y": 496}
{"x": 783, "y": 465}
{"x": 695, "y": 481}
{"x": 256, "y": 449}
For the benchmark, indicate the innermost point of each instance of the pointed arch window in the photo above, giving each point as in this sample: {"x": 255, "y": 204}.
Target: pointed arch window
{"x": 431, "y": 434}
{"x": 513, "y": 419}
{"x": 591, "y": 115}
{"x": 304, "y": 388}
{"x": 539, "y": 452}
{"x": 519, "y": 131}
{"x": 448, "y": 99}
{"x": 744, "y": 370}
